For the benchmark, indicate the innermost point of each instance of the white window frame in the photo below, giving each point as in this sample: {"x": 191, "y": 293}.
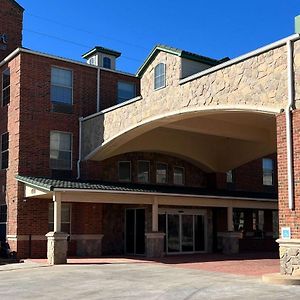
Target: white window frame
{"x": 65, "y": 132}
{"x": 183, "y": 175}
{"x": 52, "y": 223}
{"x": 72, "y": 91}
{"x": 264, "y": 171}
{"x": 155, "y": 77}
{"x": 167, "y": 171}
{"x": 3, "y": 89}
{"x": 130, "y": 171}
{"x": 138, "y": 171}
{"x": 3, "y": 151}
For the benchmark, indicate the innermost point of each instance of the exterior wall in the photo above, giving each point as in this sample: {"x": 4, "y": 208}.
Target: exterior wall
{"x": 109, "y": 87}
{"x": 11, "y": 19}
{"x": 258, "y": 82}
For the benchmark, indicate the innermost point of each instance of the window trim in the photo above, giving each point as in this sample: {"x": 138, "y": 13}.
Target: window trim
{"x": 149, "y": 170}
{"x": 130, "y": 171}
{"x": 1, "y": 150}
{"x": 127, "y": 82}
{"x": 71, "y": 133}
{"x": 2, "y": 88}
{"x": 72, "y": 88}
{"x": 183, "y": 175}
{"x": 272, "y": 172}
{"x": 167, "y": 173}
{"x": 165, "y": 79}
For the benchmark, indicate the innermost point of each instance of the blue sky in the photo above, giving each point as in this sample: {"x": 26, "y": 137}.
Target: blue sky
{"x": 215, "y": 28}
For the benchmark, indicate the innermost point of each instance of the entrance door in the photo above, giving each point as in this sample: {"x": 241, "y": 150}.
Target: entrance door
{"x": 135, "y": 231}
{"x": 185, "y": 232}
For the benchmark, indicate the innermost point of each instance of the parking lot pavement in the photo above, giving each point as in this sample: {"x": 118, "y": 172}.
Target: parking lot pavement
{"x": 134, "y": 281}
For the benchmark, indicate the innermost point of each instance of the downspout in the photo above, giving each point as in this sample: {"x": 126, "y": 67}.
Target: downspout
{"x": 79, "y": 148}
{"x": 288, "y": 119}
{"x": 98, "y": 89}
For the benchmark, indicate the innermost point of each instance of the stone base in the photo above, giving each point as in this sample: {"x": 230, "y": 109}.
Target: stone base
{"x": 88, "y": 245}
{"x": 57, "y": 248}
{"x": 289, "y": 253}
{"x": 155, "y": 244}
{"x": 230, "y": 242}
{"x": 277, "y": 278}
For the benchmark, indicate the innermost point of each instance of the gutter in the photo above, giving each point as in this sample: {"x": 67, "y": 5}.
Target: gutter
{"x": 288, "y": 119}
{"x": 79, "y": 148}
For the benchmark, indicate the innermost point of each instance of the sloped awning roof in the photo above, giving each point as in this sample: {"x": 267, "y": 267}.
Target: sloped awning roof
{"x": 52, "y": 185}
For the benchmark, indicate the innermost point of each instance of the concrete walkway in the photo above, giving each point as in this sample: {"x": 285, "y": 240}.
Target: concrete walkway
{"x": 134, "y": 280}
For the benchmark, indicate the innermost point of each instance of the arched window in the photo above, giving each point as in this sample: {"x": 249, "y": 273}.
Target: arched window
{"x": 106, "y": 62}
{"x": 160, "y": 76}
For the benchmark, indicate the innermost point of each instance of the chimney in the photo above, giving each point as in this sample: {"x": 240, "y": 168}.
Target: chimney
{"x": 102, "y": 57}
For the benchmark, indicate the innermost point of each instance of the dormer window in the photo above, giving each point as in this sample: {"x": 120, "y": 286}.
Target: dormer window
{"x": 160, "y": 76}
{"x": 106, "y": 62}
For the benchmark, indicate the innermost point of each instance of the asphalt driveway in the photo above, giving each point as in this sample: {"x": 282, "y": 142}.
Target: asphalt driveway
{"x": 134, "y": 281}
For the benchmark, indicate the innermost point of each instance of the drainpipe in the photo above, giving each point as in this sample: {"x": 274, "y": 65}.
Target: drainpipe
{"x": 288, "y": 119}
{"x": 79, "y": 148}
{"x": 98, "y": 89}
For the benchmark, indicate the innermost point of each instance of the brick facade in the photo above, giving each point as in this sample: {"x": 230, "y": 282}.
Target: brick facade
{"x": 11, "y": 16}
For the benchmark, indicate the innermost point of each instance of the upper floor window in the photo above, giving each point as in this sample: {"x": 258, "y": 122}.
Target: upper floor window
{"x": 178, "y": 175}
{"x": 126, "y": 91}
{"x": 5, "y": 87}
{"x": 65, "y": 217}
{"x": 124, "y": 170}
{"x": 160, "y": 76}
{"x": 161, "y": 173}
{"x": 4, "y": 151}
{"x": 143, "y": 171}
{"x": 60, "y": 150}
{"x": 268, "y": 171}
{"x": 61, "y": 86}
{"x": 106, "y": 62}
{"x": 229, "y": 176}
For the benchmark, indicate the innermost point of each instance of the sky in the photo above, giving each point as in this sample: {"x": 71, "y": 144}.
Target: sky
{"x": 214, "y": 28}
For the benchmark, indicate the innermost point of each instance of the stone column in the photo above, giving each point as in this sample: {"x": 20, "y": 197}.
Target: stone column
{"x": 289, "y": 253}
{"x": 155, "y": 244}
{"x": 57, "y": 247}
{"x": 230, "y": 242}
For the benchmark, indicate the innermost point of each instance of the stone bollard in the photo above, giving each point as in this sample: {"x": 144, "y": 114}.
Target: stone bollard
{"x": 57, "y": 247}
{"x": 230, "y": 241}
{"x": 155, "y": 244}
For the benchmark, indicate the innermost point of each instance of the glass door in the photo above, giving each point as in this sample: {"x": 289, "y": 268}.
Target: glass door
{"x": 187, "y": 233}
{"x": 173, "y": 233}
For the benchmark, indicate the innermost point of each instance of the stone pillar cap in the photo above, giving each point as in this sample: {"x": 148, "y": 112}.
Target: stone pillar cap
{"x": 57, "y": 235}
{"x": 155, "y": 235}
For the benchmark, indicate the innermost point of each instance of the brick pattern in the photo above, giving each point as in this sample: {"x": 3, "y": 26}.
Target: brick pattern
{"x": 11, "y": 19}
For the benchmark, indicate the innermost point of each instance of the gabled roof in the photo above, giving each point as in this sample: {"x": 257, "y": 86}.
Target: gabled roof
{"x": 17, "y": 4}
{"x": 180, "y": 53}
{"x": 103, "y": 50}
{"x": 50, "y": 185}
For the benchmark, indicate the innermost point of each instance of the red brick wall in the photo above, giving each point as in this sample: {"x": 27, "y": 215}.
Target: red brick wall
{"x": 11, "y": 20}
{"x": 109, "y": 87}
{"x": 108, "y": 169}
{"x": 288, "y": 217}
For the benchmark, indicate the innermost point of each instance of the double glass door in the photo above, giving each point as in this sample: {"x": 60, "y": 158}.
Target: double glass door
{"x": 185, "y": 233}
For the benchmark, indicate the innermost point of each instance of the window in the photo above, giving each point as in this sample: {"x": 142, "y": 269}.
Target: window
{"x": 161, "y": 172}
{"x": 178, "y": 176}
{"x": 5, "y": 87}
{"x": 143, "y": 171}
{"x": 60, "y": 150}
{"x": 3, "y": 214}
{"x": 4, "y": 151}
{"x": 61, "y": 86}
{"x": 126, "y": 91}
{"x": 229, "y": 176}
{"x": 268, "y": 171}
{"x": 65, "y": 217}
{"x": 106, "y": 62}
{"x": 160, "y": 76}
{"x": 124, "y": 170}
